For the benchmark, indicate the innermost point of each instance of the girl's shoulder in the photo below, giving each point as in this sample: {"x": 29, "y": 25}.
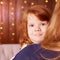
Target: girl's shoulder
{"x": 30, "y": 48}
{"x": 27, "y": 52}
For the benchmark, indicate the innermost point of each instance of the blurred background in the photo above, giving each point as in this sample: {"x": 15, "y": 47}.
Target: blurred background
{"x": 10, "y": 16}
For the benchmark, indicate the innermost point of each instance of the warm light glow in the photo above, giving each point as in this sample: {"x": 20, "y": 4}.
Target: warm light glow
{"x": 22, "y": 7}
{"x": 12, "y": 8}
{"x": 56, "y": 0}
{"x": 13, "y": 24}
{"x": 1, "y": 28}
{"x": 13, "y": 34}
{"x": 32, "y": 3}
{"x": 12, "y": 13}
{"x": 25, "y": 1}
{"x": 46, "y": 1}
{"x": 10, "y": 3}
{"x": 1, "y": 2}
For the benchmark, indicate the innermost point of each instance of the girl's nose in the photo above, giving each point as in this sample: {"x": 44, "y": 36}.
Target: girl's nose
{"x": 38, "y": 28}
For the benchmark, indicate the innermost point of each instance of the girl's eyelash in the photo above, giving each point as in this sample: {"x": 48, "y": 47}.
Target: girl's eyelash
{"x": 31, "y": 25}
{"x": 43, "y": 24}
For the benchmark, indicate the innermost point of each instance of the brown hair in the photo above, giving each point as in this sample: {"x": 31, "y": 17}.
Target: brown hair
{"x": 52, "y": 37}
{"x": 42, "y": 12}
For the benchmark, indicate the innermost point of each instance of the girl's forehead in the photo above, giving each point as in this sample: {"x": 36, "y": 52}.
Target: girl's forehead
{"x": 33, "y": 18}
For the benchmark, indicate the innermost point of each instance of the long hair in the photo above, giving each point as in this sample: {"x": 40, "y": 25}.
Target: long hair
{"x": 41, "y": 12}
{"x": 52, "y": 37}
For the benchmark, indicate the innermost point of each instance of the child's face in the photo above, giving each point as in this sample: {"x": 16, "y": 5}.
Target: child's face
{"x": 36, "y": 28}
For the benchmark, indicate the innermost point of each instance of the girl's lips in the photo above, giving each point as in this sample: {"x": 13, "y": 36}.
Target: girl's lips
{"x": 38, "y": 34}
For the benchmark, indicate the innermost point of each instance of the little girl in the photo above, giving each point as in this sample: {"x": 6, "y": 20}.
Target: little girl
{"x": 34, "y": 23}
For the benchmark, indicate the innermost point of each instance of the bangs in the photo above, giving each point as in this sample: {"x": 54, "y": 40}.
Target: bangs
{"x": 43, "y": 17}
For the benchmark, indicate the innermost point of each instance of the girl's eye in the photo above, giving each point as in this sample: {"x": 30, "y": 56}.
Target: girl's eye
{"x": 31, "y": 25}
{"x": 43, "y": 24}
